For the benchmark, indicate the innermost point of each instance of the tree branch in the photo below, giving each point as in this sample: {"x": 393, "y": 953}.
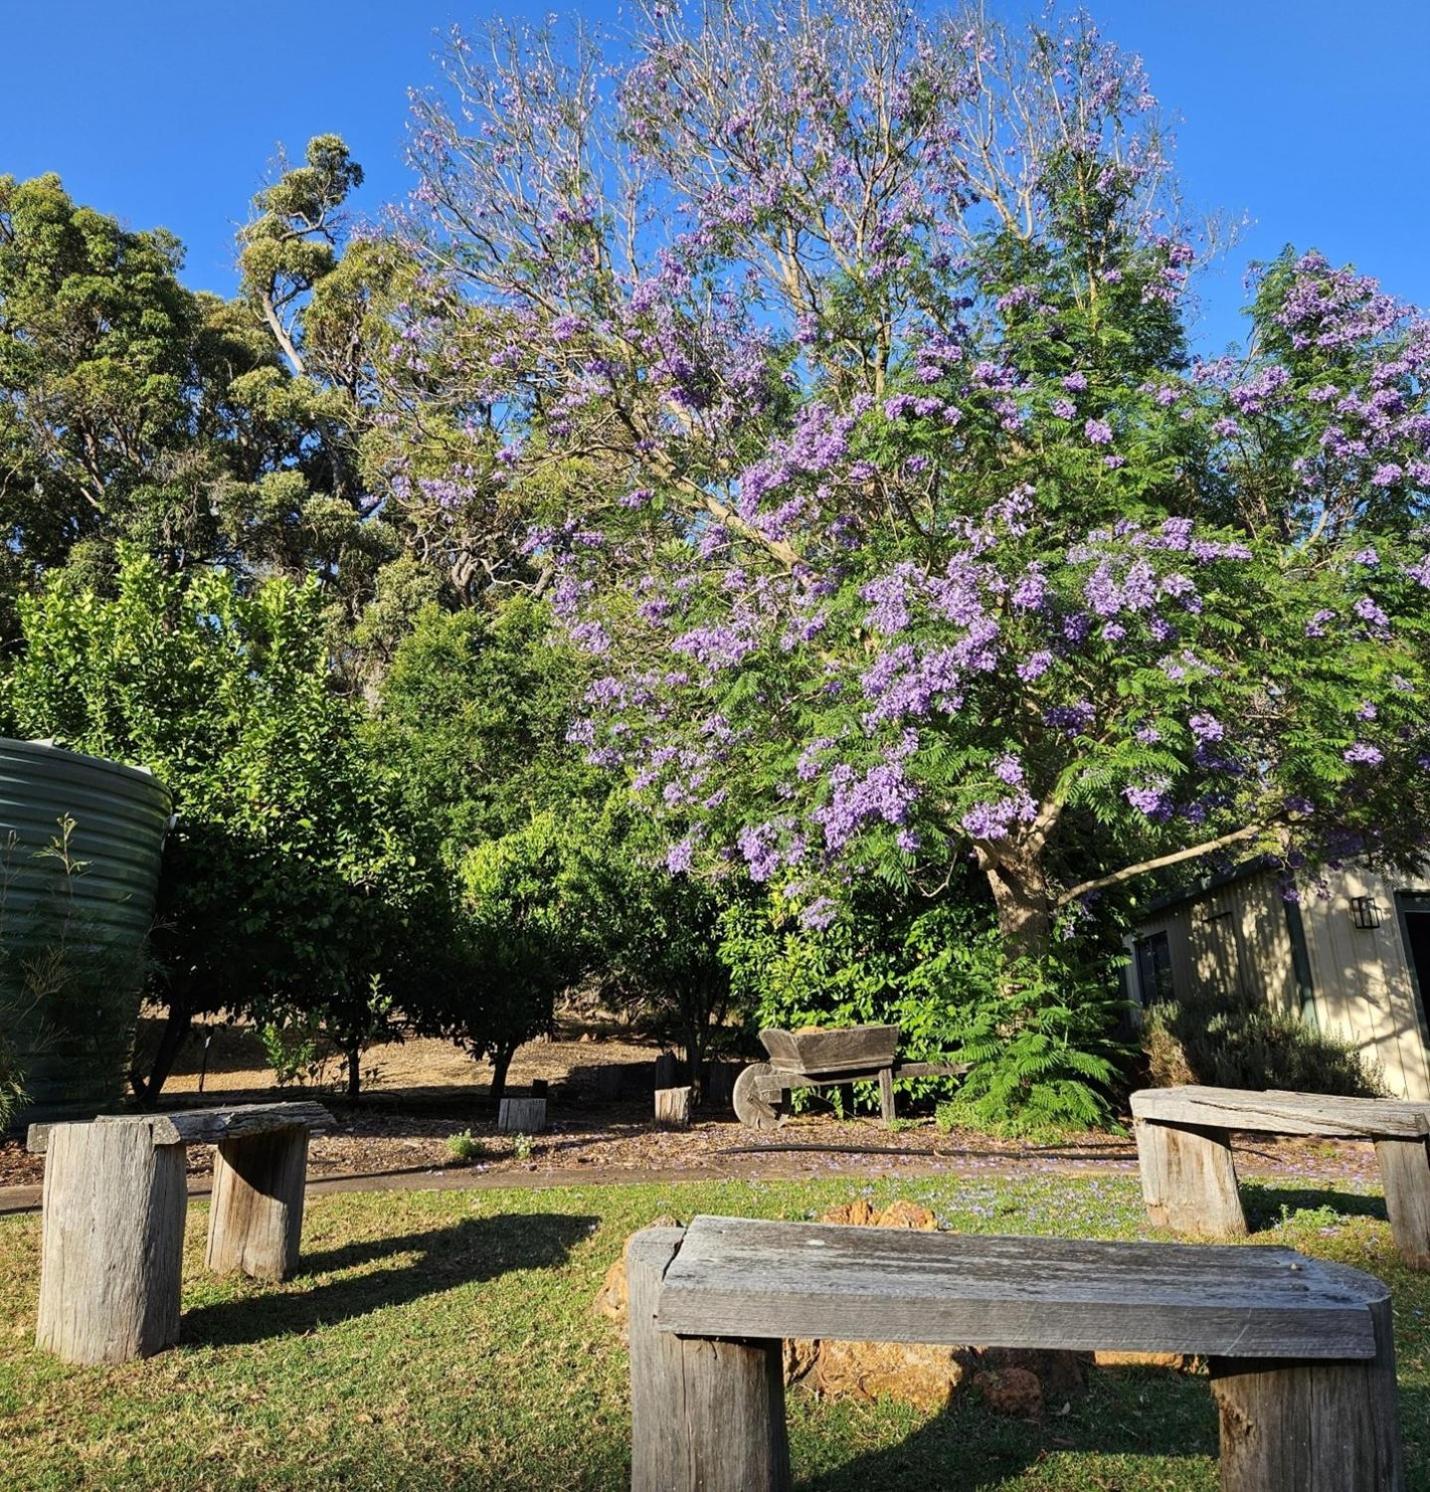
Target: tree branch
{"x": 1177, "y": 857}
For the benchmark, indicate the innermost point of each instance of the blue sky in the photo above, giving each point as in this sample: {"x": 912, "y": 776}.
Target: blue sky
{"x": 1305, "y": 115}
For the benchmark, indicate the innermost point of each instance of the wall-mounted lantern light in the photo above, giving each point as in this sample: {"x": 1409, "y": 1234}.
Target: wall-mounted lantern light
{"x": 1364, "y": 912}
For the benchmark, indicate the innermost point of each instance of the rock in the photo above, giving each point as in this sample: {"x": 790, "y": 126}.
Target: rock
{"x": 613, "y": 1298}
{"x": 1060, "y": 1373}
{"x": 907, "y": 1215}
{"x": 925, "y": 1376}
{"x": 1012, "y": 1391}
{"x": 800, "y": 1356}
{"x": 856, "y": 1214}
{"x": 860, "y": 1214}
{"x": 1178, "y": 1362}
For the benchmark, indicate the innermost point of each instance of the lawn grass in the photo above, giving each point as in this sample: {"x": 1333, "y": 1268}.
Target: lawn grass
{"x": 440, "y": 1340}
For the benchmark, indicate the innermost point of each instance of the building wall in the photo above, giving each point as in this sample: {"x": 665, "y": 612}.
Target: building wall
{"x": 1236, "y": 935}
{"x": 1364, "y": 990}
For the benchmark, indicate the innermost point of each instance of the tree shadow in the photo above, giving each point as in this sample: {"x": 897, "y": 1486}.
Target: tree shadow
{"x": 467, "y": 1252}
{"x": 1171, "y": 1415}
{"x": 1265, "y": 1206}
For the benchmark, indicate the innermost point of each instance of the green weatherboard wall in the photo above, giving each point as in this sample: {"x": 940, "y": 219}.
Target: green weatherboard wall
{"x": 72, "y": 935}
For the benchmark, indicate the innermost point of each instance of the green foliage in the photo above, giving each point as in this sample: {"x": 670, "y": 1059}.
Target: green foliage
{"x": 1041, "y": 1053}
{"x": 465, "y": 1147}
{"x": 290, "y": 879}
{"x": 1036, "y": 1034}
{"x": 1236, "y": 1040}
{"x": 290, "y": 1048}
{"x": 522, "y": 1147}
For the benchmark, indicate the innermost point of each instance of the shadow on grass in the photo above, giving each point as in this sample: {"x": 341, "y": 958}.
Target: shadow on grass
{"x": 1146, "y": 1426}
{"x": 1265, "y": 1206}
{"x": 1130, "y": 1414}
{"x": 467, "y": 1252}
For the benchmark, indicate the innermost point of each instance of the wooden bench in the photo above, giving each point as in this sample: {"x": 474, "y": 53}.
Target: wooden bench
{"x": 1189, "y": 1177}
{"x": 1302, "y": 1361}
{"x": 115, "y": 1198}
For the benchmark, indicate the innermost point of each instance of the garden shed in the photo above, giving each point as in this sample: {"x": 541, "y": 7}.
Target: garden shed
{"x": 1351, "y": 952}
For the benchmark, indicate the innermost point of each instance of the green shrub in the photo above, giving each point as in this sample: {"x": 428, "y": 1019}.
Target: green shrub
{"x": 523, "y": 1147}
{"x": 1037, "y": 1038}
{"x": 466, "y": 1147}
{"x": 1239, "y": 1041}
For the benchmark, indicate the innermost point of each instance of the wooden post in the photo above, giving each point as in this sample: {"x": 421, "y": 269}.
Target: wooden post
{"x": 256, "y": 1215}
{"x": 1405, "y": 1174}
{"x": 525, "y": 1116}
{"x": 112, "y": 1242}
{"x": 707, "y": 1415}
{"x": 886, "y": 1094}
{"x": 672, "y": 1108}
{"x": 1289, "y": 1426}
{"x": 665, "y": 1070}
{"x": 1189, "y": 1179}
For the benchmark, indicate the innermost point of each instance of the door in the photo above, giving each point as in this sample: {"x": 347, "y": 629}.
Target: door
{"x": 1414, "y": 910}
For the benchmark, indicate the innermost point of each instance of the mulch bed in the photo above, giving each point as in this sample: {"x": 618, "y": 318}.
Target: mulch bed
{"x": 620, "y": 1142}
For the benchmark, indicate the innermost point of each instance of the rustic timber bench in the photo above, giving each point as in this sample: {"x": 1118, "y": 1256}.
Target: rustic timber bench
{"x": 115, "y": 1197}
{"x": 1189, "y": 1177}
{"x": 1302, "y": 1361}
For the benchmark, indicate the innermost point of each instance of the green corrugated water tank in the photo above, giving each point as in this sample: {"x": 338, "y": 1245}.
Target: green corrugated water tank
{"x": 80, "y": 844}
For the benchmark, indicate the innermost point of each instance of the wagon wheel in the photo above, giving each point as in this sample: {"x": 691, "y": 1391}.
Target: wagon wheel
{"x": 751, "y": 1108}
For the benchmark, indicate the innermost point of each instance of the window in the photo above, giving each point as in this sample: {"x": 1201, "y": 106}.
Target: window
{"x": 1154, "y": 968}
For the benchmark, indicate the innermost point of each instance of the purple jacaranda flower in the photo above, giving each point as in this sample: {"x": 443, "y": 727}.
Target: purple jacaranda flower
{"x": 1035, "y": 665}
{"x": 1007, "y": 768}
{"x": 1363, "y": 753}
{"x": 1206, "y": 727}
{"x": 1098, "y": 432}
{"x": 1149, "y": 797}
{"x": 1316, "y": 627}
{"x": 1367, "y": 610}
{"x": 818, "y": 914}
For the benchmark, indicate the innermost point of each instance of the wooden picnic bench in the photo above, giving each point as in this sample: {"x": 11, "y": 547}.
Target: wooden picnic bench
{"x": 115, "y": 1198}
{"x": 1189, "y": 1176}
{"x": 1302, "y": 1360}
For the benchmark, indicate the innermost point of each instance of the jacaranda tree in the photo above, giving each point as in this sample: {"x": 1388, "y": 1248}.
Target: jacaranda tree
{"x": 902, "y": 521}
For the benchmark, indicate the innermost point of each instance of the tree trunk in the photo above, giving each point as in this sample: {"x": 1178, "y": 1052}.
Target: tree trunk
{"x": 354, "y": 1064}
{"x": 1023, "y": 899}
{"x": 501, "y": 1061}
{"x": 177, "y": 1023}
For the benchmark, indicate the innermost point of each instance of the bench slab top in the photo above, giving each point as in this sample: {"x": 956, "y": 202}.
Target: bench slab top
{"x": 207, "y": 1126}
{"x": 742, "y": 1277}
{"x": 1278, "y": 1112}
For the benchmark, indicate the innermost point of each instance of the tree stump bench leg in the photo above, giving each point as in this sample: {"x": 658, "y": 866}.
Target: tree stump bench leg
{"x": 1297, "y": 1426}
{"x": 1189, "y": 1179}
{"x": 256, "y": 1215}
{"x": 1405, "y": 1174}
{"x": 112, "y": 1243}
{"x": 886, "y": 1094}
{"x": 707, "y": 1415}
